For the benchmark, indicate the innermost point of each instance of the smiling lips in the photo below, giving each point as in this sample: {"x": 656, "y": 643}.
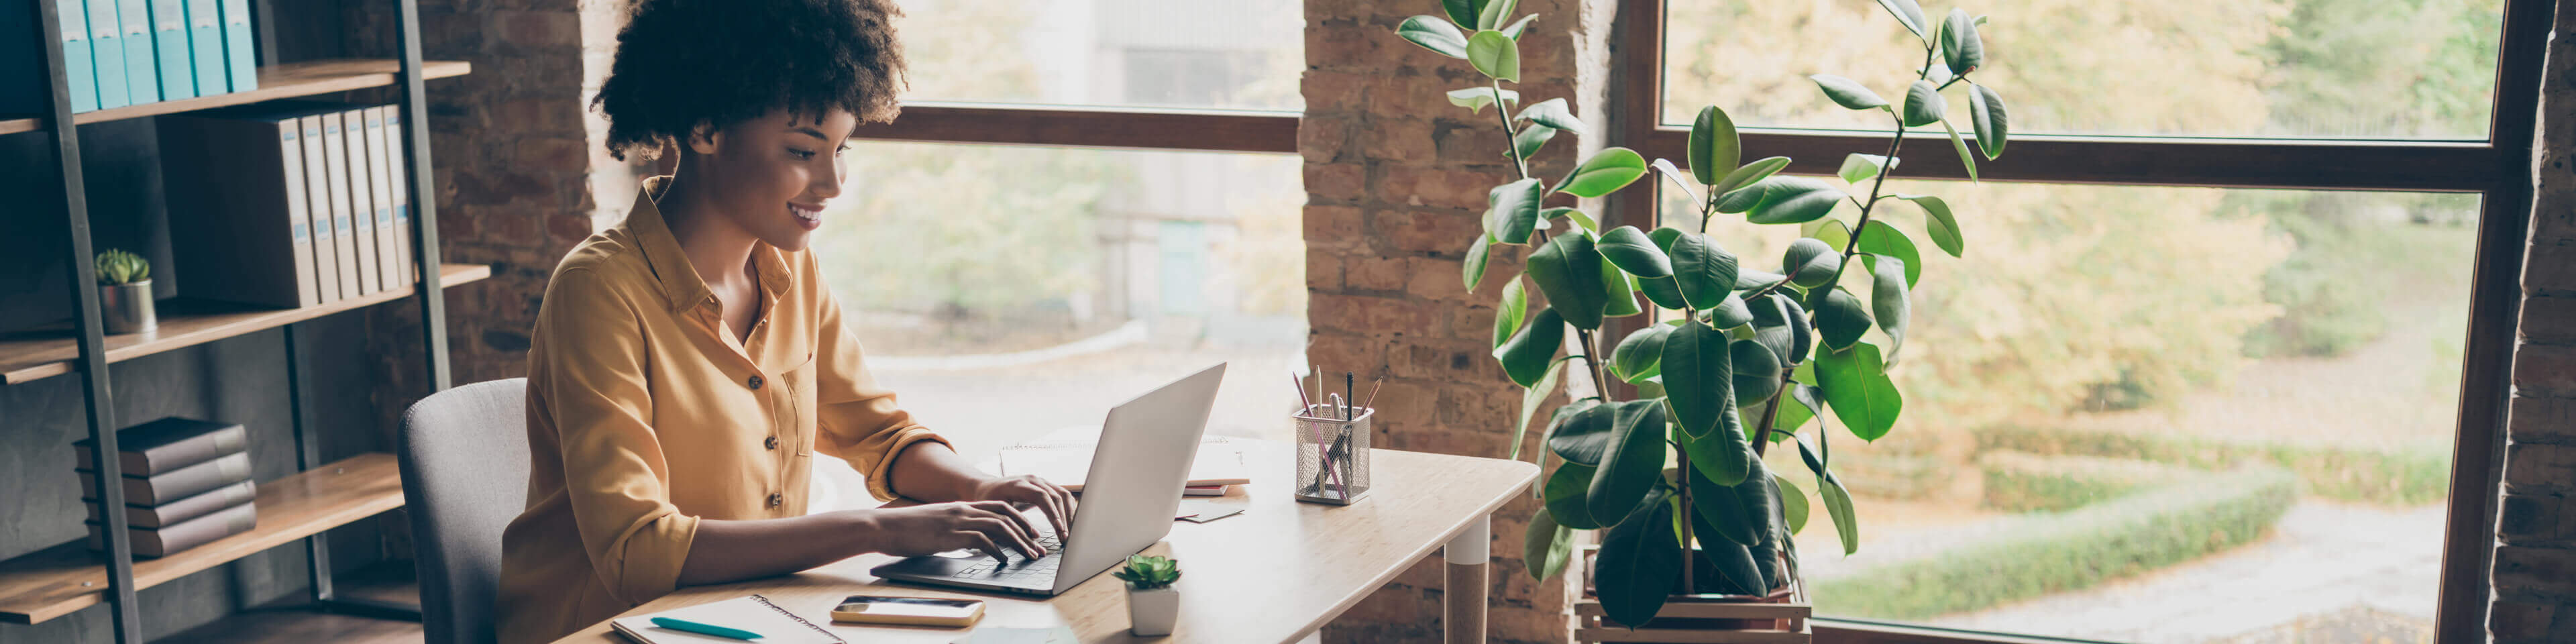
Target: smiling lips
{"x": 811, "y": 218}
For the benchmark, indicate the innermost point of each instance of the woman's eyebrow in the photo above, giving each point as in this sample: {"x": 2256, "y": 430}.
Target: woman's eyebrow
{"x": 807, "y": 131}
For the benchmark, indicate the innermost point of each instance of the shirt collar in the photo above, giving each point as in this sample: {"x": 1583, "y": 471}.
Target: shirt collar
{"x": 681, "y": 287}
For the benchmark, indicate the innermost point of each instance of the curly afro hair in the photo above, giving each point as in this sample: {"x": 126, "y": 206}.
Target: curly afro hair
{"x": 685, "y": 62}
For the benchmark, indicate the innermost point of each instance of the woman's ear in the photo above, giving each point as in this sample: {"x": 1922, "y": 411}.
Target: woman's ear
{"x": 702, "y": 138}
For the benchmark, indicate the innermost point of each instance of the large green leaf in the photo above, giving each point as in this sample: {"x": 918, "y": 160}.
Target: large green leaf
{"x": 1810, "y": 262}
{"x": 1682, "y": 180}
{"x": 1847, "y": 92}
{"x": 1635, "y": 459}
{"x": 1792, "y": 200}
{"x": 1806, "y": 401}
{"x": 1961, "y": 47}
{"x": 1581, "y": 221}
{"x": 1663, "y": 291}
{"x": 1857, "y": 387}
{"x": 1604, "y": 173}
{"x": 1531, "y": 398}
{"x": 1862, "y": 167}
{"x": 1793, "y": 504}
{"x": 1888, "y": 303}
{"x": 1838, "y": 504}
{"x": 1462, "y": 12}
{"x": 1580, "y": 432}
{"x": 1842, "y": 319}
{"x": 1829, "y": 230}
{"x": 1802, "y": 337}
{"x": 1525, "y": 357}
{"x": 1547, "y": 546}
{"x": 1621, "y": 292}
{"x": 1879, "y": 239}
{"x": 1475, "y": 260}
{"x": 1961, "y": 145}
{"x": 1632, "y": 251}
{"x": 1939, "y": 223}
{"x": 1492, "y": 13}
{"x": 1494, "y": 54}
{"x": 1986, "y": 113}
{"x": 1510, "y": 312}
{"x": 1757, "y": 371}
{"x": 1772, "y": 326}
{"x": 1730, "y": 313}
{"x": 1646, "y": 556}
{"x": 1758, "y": 170}
{"x": 1714, "y": 146}
{"x": 1511, "y": 213}
{"x": 1698, "y": 379}
{"x": 1908, "y": 14}
{"x": 1923, "y": 104}
{"x": 1434, "y": 34}
{"x": 1564, "y": 496}
{"x": 1526, "y": 143}
{"x": 1476, "y": 98}
{"x": 1723, "y": 567}
{"x": 1720, "y": 457}
{"x": 1554, "y": 113}
{"x": 1568, "y": 270}
{"x": 1704, "y": 271}
{"x": 1641, "y": 354}
{"x": 1725, "y": 510}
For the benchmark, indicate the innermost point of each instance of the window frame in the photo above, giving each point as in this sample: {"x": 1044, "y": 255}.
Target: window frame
{"x": 2498, "y": 169}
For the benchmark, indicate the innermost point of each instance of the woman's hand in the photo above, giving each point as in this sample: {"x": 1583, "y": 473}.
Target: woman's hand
{"x": 1025, "y": 491}
{"x": 989, "y": 526}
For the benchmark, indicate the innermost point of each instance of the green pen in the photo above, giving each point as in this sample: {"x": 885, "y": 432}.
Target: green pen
{"x": 707, "y": 629}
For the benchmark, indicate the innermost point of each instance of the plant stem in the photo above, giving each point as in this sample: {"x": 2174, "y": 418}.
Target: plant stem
{"x": 1600, "y": 376}
{"x": 1511, "y": 138}
{"x": 1770, "y": 416}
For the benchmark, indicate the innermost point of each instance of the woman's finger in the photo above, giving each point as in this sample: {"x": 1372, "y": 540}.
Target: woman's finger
{"x": 978, "y": 541}
{"x": 1018, "y": 524}
{"x": 1004, "y": 534}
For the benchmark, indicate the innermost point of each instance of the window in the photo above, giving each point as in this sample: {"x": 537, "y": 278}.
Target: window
{"x": 2224, "y": 360}
{"x": 1128, "y": 53}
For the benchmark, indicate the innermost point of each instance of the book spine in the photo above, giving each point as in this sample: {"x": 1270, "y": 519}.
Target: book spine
{"x": 400, "y": 176}
{"x": 142, "y": 85}
{"x": 184, "y": 482}
{"x": 388, "y": 258}
{"x": 242, "y": 68}
{"x": 83, "y": 81}
{"x": 362, "y": 200}
{"x": 335, "y": 166}
{"x": 317, "y": 197}
{"x": 170, "y": 49}
{"x": 176, "y": 455}
{"x": 299, "y": 214}
{"x": 155, "y": 516}
{"x": 173, "y": 539}
{"x": 107, "y": 54}
{"x": 206, "y": 46}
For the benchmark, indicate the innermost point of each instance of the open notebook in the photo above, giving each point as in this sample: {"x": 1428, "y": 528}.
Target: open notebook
{"x": 1067, "y": 462}
{"x": 751, "y": 613}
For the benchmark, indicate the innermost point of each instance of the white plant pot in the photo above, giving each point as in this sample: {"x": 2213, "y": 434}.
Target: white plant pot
{"x": 1150, "y": 613}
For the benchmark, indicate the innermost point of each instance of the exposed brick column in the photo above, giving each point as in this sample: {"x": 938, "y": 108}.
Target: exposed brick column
{"x": 1396, "y": 179}
{"x": 2535, "y": 561}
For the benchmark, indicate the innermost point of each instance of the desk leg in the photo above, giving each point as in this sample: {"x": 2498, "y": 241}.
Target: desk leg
{"x": 1462, "y": 606}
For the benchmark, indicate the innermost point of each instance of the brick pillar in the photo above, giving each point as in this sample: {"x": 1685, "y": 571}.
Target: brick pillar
{"x": 1396, "y": 179}
{"x": 2535, "y": 560}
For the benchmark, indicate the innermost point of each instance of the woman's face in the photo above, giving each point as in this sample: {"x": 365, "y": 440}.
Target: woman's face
{"x": 772, "y": 175}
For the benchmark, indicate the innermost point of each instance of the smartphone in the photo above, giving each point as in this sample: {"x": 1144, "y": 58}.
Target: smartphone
{"x": 913, "y": 611}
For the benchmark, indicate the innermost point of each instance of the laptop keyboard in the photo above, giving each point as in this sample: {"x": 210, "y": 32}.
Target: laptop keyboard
{"x": 1019, "y": 567}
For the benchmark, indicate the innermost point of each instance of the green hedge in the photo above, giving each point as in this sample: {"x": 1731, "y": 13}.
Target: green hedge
{"x": 2021, "y": 482}
{"x": 2197, "y": 514}
{"x": 2395, "y": 475}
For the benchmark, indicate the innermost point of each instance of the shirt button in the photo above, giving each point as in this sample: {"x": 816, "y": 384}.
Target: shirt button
{"x": 755, "y": 382}
{"x": 775, "y": 499}
{"x": 771, "y": 442}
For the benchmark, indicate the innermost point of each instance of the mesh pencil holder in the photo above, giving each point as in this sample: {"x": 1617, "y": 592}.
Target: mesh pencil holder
{"x": 1332, "y": 455}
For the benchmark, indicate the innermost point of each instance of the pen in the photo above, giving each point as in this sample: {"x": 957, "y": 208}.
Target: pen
{"x": 706, "y": 629}
{"x": 1349, "y": 383}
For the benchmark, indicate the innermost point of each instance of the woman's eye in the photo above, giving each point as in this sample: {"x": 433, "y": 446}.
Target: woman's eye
{"x": 801, "y": 154}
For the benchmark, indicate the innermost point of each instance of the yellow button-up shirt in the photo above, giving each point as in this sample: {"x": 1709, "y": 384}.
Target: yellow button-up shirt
{"x": 645, "y": 415}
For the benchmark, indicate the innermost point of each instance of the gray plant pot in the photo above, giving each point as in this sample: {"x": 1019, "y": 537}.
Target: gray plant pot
{"x": 128, "y": 307}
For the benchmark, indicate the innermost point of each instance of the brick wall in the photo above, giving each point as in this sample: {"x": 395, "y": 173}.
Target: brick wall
{"x": 1396, "y": 180}
{"x": 2535, "y": 561}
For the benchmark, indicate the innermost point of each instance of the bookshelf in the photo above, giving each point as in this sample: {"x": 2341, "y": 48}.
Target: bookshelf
{"x": 60, "y": 580}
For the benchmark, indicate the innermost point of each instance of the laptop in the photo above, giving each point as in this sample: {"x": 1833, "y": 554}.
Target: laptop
{"x": 1128, "y": 501}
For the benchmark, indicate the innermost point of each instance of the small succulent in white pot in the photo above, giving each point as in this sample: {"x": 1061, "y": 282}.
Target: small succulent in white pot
{"x": 125, "y": 292}
{"x": 1152, "y": 604}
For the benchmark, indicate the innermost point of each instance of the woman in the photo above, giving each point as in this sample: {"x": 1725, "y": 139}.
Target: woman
{"x": 687, "y": 363}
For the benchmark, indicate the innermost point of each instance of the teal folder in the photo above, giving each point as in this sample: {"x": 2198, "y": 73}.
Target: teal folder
{"x": 76, "y": 54}
{"x": 206, "y": 46}
{"x": 240, "y": 65}
{"x": 142, "y": 85}
{"x": 23, "y": 76}
{"x": 170, "y": 48}
{"x": 107, "y": 54}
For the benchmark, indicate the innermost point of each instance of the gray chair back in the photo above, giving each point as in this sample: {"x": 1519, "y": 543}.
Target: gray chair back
{"x": 464, "y": 455}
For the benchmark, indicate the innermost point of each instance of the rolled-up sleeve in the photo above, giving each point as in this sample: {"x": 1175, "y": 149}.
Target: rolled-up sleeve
{"x": 590, "y": 382}
{"x": 859, "y": 420}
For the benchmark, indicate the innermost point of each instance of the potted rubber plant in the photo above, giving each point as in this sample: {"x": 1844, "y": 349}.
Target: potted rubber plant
{"x": 1152, "y": 604}
{"x": 125, "y": 292}
{"x": 1674, "y": 479}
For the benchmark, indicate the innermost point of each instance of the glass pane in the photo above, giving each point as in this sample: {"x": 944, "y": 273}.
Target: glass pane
{"x": 2156, "y": 415}
{"x": 1237, "y": 55}
{"x": 1006, "y": 292}
{"x": 2292, "y": 68}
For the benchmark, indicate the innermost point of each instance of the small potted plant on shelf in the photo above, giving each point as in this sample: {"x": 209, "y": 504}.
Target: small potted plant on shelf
{"x": 125, "y": 292}
{"x": 1152, "y": 605}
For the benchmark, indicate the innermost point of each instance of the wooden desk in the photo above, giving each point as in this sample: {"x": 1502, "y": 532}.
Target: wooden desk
{"x": 1275, "y": 573}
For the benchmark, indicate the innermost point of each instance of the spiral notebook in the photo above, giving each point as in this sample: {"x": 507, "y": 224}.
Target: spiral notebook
{"x": 751, "y": 613}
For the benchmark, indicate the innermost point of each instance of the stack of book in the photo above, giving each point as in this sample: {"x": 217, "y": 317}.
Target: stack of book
{"x": 187, "y": 483}
{"x": 130, "y": 52}
{"x": 288, "y": 203}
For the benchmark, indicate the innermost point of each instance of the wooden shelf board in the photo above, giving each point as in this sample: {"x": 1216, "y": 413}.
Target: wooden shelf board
{"x": 44, "y": 353}
{"x": 49, "y": 583}
{"x": 277, "y": 81}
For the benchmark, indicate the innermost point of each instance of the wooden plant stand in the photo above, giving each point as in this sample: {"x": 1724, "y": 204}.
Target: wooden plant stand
{"x": 1779, "y": 618}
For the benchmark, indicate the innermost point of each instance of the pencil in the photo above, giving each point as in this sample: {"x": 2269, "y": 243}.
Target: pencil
{"x": 1373, "y": 389}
